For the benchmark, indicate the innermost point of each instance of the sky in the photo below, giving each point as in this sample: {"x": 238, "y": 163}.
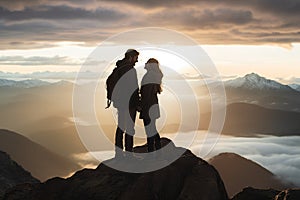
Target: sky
{"x": 241, "y": 37}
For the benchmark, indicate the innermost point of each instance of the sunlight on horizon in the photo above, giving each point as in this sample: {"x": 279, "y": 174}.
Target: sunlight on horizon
{"x": 238, "y": 60}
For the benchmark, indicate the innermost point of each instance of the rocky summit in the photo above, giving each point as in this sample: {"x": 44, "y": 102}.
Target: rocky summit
{"x": 187, "y": 177}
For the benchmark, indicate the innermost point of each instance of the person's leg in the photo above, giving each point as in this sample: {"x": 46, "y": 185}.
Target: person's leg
{"x": 156, "y": 136}
{"x": 150, "y": 144}
{"x": 130, "y": 131}
{"x": 150, "y": 139}
{"x": 157, "y": 141}
{"x": 119, "y": 133}
{"x": 119, "y": 138}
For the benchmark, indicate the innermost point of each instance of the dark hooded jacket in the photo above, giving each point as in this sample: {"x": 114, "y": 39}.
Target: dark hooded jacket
{"x": 126, "y": 92}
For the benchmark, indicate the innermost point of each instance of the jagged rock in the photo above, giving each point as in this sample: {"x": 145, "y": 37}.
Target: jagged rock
{"x": 12, "y": 174}
{"x": 250, "y": 193}
{"x": 188, "y": 177}
{"x": 290, "y": 194}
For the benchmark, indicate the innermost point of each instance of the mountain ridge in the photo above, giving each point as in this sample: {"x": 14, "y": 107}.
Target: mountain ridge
{"x": 254, "y": 81}
{"x": 35, "y": 158}
{"x": 238, "y": 172}
{"x": 244, "y": 119}
{"x": 12, "y": 174}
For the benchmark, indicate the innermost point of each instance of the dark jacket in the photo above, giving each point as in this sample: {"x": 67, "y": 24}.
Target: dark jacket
{"x": 149, "y": 99}
{"x": 126, "y": 92}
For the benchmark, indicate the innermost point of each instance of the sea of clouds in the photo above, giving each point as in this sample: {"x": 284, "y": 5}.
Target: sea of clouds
{"x": 280, "y": 155}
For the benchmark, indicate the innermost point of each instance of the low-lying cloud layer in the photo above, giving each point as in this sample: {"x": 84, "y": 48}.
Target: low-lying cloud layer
{"x": 37, "y": 23}
{"x": 280, "y": 155}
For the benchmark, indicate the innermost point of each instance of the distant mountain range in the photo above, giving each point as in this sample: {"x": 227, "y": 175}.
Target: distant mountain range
{"x": 28, "y": 83}
{"x": 248, "y": 119}
{"x": 42, "y": 163}
{"x": 251, "y": 88}
{"x": 258, "y": 90}
{"x": 60, "y": 75}
{"x": 268, "y": 109}
{"x": 255, "y": 82}
{"x": 244, "y": 119}
{"x": 250, "y": 81}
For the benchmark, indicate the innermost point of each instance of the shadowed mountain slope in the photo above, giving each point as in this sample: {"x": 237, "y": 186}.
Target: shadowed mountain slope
{"x": 238, "y": 172}
{"x": 12, "y": 174}
{"x": 41, "y": 162}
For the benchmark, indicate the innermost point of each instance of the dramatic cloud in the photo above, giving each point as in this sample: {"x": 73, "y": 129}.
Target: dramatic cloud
{"x": 37, "y": 23}
{"x": 61, "y": 13}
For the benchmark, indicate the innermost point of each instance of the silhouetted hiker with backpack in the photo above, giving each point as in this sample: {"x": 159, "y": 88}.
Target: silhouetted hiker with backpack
{"x": 123, "y": 92}
{"x": 150, "y": 87}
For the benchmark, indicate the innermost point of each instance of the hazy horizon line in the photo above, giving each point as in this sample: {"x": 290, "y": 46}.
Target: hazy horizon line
{"x": 71, "y": 75}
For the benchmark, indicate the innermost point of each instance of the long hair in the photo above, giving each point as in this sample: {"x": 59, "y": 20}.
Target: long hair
{"x": 153, "y": 65}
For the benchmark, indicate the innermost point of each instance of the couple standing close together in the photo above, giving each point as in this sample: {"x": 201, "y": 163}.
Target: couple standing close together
{"x": 129, "y": 100}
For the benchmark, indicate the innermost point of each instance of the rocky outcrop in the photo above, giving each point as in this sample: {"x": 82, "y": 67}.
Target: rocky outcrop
{"x": 12, "y": 174}
{"x": 290, "y": 194}
{"x": 250, "y": 193}
{"x": 188, "y": 177}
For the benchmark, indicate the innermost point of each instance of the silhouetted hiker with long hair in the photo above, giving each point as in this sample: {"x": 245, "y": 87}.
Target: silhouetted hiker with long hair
{"x": 150, "y": 87}
{"x": 125, "y": 98}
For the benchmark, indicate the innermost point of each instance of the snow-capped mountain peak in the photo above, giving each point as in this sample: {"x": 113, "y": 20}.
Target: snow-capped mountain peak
{"x": 254, "y": 81}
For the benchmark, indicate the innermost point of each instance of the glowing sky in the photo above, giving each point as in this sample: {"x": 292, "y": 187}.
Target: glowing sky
{"x": 261, "y": 36}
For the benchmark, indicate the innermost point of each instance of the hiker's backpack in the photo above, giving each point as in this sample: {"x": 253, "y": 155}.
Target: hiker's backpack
{"x": 111, "y": 82}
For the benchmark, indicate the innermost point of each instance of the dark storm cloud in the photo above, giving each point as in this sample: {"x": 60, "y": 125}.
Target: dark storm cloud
{"x": 59, "y": 12}
{"x": 275, "y": 6}
{"x": 204, "y": 18}
{"x": 19, "y": 4}
{"x": 41, "y": 26}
